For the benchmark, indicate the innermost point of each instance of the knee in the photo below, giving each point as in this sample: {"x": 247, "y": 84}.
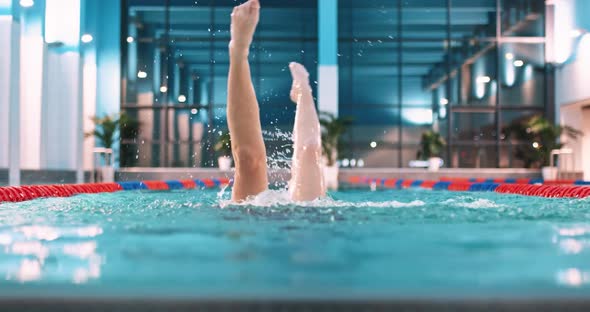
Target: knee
{"x": 249, "y": 159}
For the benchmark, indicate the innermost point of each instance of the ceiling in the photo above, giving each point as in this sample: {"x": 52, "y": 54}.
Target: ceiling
{"x": 197, "y": 33}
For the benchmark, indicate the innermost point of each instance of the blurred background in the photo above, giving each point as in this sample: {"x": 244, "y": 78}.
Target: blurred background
{"x": 467, "y": 69}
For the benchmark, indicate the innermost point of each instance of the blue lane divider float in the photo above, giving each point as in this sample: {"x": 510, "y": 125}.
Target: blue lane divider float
{"x": 441, "y": 186}
{"x": 417, "y": 183}
{"x": 484, "y": 187}
{"x": 174, "y": 185}
{"x": 133, "y": 185}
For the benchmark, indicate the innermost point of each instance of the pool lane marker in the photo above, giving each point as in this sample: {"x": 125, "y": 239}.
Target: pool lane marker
{"x": 551, "y": 189}
{"x": 30, "y": 192}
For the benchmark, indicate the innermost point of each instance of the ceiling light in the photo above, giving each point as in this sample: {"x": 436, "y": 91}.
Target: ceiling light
{"x": 26, "y": 3}
{"x": 87, "y": 38}
{"x": 194, "y": 111}
{"x": 509, "y": 56}
{"x": 181, "y": 98}
{"x": 483, "y": 79}
{"x": 518, "y": 63}
{"x": 373, "y": 144}
{"x": 444, "y": 101}
{"x": 163, "y": 89}
{"x": 130, "y": 39}
{"x": 141, "y": 74}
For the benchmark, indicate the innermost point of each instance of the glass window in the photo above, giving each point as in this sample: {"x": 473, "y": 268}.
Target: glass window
{"x": 176, "y": 74}
{"x": 522, "y": 75}
{"x": 474, "y": 127}
{"x": 405, "y": 67}
{"x": 523, "y": 18}
{"x": 475, "y": 156}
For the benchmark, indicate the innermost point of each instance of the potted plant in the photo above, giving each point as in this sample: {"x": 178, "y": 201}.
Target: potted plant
{"x": 223, "y": 148}
{"x": 541, "y": 137}
{"x": 332, "y": 129}
{"x": 107, "y": 131}
{"x": 431, "y": 146}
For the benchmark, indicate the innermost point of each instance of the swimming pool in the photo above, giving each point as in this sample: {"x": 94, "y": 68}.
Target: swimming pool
{"x": 356, "y": 245}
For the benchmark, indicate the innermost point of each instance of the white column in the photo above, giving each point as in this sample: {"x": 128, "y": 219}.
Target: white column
{"x": 61, "y": 120}
{"x": 62, "y": 101}
{"x": 10, "y": 98}
{"x": 328, "y": 52}
{"x": 328, "y": 88}
{"x": 5, "y": 42}
{"x": 14, "y": 123}
{"x": 31, "y": 77}
{"x": 79, "y": 122}
{"x": 585, "y": 155}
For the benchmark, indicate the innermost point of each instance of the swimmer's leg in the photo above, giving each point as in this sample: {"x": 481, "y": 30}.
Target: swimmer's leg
{"x": 243, "y": 115}
{"x": 307, "y": 181}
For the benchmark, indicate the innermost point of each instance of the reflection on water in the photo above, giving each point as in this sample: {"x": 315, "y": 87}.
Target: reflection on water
{"x": 195, "y": 243}
{"x": 573, "y": 239}
{"x": 573, "y": 246}
{"x": 29, "y": 270}
{"x": 575, "y": 231}
{"x": 573, "y": 277}
{"x": 27, "y": 253}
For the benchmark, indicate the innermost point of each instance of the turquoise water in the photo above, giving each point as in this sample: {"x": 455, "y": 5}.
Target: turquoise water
{"x": 357, "y": 244}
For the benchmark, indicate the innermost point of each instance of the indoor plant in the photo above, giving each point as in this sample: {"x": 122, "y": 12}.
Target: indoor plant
{"x": 223, "y": 148}
{"x": 107, "y": 130}
{"x": 332, "y": 129}
{"x": 431, "y": 146}
{"x": 541, "y": 137}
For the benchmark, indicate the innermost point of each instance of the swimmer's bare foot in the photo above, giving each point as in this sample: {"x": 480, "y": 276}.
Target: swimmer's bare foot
{"x": 300, "y": 81}
{"x": 244, "y": 19}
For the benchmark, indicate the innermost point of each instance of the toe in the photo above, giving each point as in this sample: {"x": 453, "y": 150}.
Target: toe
{"x": 254, "y": 7}
{"x": 298, "y": 71}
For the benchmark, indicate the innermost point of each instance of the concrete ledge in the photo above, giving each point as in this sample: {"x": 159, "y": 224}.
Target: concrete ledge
{"x": 139, "y": 174}
{"x": 423, "y": 174}
{"x": 278, "y": 175}
{"x": 275, "y": 175}
{"x": 29, "y": 177}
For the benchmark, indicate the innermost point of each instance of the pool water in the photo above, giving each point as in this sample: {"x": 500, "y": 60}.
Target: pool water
{"x": 355, "y": 244}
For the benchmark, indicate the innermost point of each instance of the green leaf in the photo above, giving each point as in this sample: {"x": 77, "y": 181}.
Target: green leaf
{"x": 431, "y": 145}
{"x": 332, "y": 130}
{"x": 223, "y": 145}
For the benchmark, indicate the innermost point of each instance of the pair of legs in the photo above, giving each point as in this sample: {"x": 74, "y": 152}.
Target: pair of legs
{"x": 243, "y": 118}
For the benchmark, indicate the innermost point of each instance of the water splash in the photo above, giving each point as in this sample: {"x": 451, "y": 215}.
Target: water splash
{"x": 472, "y": 203}
{"x": 281, "y": 198}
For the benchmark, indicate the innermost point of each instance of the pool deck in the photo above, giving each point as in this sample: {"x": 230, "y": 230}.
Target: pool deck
{"x": 137, "y": 174}
{"x": 63, "y": 304}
